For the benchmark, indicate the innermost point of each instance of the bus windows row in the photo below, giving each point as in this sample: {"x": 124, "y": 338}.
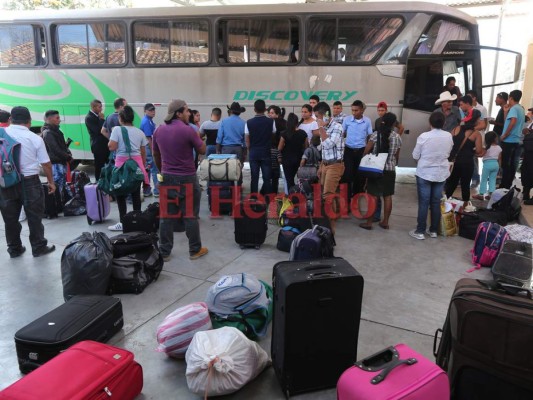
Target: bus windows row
{"x": 356, "y": 40}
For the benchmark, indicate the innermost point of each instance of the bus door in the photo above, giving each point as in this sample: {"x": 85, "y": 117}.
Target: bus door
{"x": 425, "y": 79}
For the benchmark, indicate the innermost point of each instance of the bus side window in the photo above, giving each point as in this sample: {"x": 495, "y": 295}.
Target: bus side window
{"x": 42, "y": 58}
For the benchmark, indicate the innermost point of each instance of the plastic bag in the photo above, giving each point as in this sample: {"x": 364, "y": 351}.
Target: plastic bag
{"x": 176, "y": 331}
{"x": 222, "y": 361}
{"x": 86, "y": 265}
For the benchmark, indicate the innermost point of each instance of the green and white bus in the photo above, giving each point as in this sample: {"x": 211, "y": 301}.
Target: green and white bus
{"x": 398, "y": 52}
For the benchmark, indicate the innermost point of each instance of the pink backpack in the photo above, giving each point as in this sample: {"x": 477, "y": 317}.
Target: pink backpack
{"x": 490, "y": 238}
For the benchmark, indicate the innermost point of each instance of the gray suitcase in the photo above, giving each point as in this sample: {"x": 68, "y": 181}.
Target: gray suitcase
{"x": 514, "y": 264}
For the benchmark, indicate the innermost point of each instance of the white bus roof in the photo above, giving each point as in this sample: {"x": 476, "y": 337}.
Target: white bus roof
{"x": 263, "y": 9}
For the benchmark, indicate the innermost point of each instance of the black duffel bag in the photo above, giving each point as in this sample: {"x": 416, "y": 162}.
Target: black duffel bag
{"x": 133, "y": 272}
{"x": 470, "y": 221}
{"x": 132, "y": 242}
{"x": 145, "y": 221}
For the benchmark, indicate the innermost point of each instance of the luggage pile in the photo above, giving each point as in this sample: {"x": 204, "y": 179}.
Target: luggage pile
{"x": 223, "y": 175}
{"x": 96, "y": 264}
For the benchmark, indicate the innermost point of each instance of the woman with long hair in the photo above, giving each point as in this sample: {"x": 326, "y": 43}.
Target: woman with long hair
{"x": 138, "y": 144}
{"x": 467, "y": 144}
{"x": 387, "y": 141}
{"x": 291, "y": 147}
{"x": 308, "y": 124}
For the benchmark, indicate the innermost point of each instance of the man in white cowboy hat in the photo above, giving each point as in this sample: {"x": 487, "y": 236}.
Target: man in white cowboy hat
{"x": 451, "y": 113}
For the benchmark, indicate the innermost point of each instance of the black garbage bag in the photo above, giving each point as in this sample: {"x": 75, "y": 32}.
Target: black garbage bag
{"x": 74, "y": 207}
{"x": 86, "y": 265}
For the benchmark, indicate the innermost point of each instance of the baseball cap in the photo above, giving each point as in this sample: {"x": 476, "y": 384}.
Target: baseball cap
{"x": 503, "y": 95}
{"x": 149, "y": 107}
{"x": 174, "y": 106}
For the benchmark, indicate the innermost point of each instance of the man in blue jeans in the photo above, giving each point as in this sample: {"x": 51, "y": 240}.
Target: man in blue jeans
{"x": 510, "y": 139}
{"x": 432, "y": 150}
{"x": 258, "y": 134}
{"x": 148, "y": 127}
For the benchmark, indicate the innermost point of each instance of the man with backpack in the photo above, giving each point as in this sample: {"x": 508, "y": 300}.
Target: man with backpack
{"x": 26, "y": 190}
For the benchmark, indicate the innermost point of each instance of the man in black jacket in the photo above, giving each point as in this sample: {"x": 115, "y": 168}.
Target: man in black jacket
{"x": 56, "y": 147}
{"x": 94, "y": 122}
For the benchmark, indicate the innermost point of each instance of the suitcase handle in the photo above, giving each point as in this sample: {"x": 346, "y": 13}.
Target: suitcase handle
{"x": 435, "y": 341}
{"x": 511, "y": 290}
{"x": 383, "y": 374}
{"x": 319, "y": 275}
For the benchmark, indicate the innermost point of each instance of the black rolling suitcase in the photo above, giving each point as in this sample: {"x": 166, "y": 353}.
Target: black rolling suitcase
{"x": 317, "y": 310}
{"x": 251, "y": 223}
{"x": 83, "y": 317}
{"x": 486, "y": 342}
{"x": 514, "y": 264}
{"x": 52, "y": 203}
{"x": 220, "y": 192}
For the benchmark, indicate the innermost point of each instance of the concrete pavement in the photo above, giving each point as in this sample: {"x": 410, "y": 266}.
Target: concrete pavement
{"x": 408, "y": 284}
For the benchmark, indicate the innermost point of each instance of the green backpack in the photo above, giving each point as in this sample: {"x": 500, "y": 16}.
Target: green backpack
{"x": 125, "y": 179}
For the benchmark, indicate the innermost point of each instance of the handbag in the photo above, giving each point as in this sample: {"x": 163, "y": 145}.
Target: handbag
{"x": 373, "y": 164}
{"x": 123, "y": 180}
{"x": 308, "y": 173}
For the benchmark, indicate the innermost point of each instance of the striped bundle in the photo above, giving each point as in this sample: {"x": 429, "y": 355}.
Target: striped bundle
{"x": 176, "y": 331}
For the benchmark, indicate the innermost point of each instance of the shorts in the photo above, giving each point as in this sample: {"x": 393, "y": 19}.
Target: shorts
{"x": 383, "y": 186}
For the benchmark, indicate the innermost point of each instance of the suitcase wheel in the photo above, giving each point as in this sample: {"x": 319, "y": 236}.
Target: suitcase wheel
{"x": 242, "y": 246}
{"x": 89, "y": 220}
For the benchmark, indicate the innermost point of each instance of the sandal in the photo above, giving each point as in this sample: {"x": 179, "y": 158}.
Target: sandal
{"x": 383, "y": 226}
{"x": 365, "y": 226}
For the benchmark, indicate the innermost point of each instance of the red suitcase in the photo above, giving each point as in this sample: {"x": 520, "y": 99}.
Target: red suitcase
{"x": 86, "y": 371}
{"x": 392, "y": 374}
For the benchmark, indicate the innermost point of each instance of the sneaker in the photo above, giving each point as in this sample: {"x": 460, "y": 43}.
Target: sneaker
{"x": 44, "y": 250}
{"x": 166, "y": 258}
{"x": 202, "y": 252}
{"x": 469, "y": 207}
{"x": 147, "y": 192}
{"x": 116, "y": 227}
{"x": 22, "y": 216}
{"x": 431, "y": 234}
{"x": 156, "y": 194}
{"x": 419, "y": 236}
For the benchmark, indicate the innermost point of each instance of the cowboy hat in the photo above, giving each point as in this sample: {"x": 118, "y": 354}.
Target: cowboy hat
{"x": 445, "y": 96}
{"x": 236, "y": 108}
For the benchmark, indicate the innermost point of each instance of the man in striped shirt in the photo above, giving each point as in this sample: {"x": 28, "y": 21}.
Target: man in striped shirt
{"x": 332, "y": 168}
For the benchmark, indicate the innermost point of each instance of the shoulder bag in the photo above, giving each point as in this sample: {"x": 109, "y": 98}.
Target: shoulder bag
{"x": 125, "y": 179}
{"x": 373, "y": 164}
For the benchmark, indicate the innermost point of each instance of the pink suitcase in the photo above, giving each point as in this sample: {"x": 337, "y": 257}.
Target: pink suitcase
{"x": 395, "y": 373}
{"x": 97, "y": 203}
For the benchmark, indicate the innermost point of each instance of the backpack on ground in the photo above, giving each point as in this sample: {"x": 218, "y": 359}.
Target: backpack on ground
{"x": 75, "y": 188}
{"x": 241, "y": 301}
{"x": 313, "y": 244}
{"x": 10, "y": 158}
{"x": 286, "y": 236}
{"x": 490, "y": 238}
{"x": 145, "y": 221}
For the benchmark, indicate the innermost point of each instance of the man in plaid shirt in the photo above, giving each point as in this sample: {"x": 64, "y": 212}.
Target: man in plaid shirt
{"x": 332, "y": 168}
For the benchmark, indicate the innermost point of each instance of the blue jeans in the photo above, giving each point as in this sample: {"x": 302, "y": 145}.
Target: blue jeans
{"x": 59, "y": 172}
{"x": 153, "y": 171}
{"x": 265, "y": 165}
{"x": 429, "y": 195}
{"x": 490, "y": 172}
{"x": 210, "y": 149}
